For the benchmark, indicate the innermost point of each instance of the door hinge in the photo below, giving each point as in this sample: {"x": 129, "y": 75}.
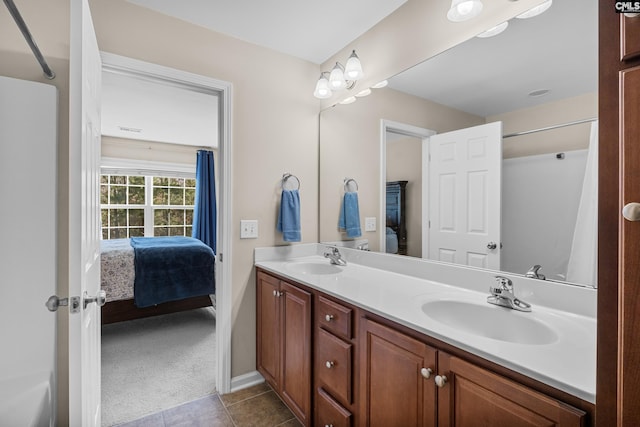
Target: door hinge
{"x": 220, "y": 257}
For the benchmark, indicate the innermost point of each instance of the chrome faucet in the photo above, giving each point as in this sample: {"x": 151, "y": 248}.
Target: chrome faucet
{"x": 533, "y": 272}
{"x": 334, "y": 256}
{"x": 503, "y": 295}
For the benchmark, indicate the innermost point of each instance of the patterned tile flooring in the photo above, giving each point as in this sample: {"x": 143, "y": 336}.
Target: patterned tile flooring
{"x": 256, "y": 406}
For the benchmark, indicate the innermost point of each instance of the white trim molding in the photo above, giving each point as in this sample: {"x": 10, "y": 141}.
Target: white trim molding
{"x": 174, "y": 77}
{"x": 246, "y": 380}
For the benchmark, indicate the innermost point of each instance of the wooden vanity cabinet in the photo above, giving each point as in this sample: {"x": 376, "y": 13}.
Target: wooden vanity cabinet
{"x": 396, "y": 385}
{"x": 471, "y": 396}
{"x": 630, "y": 37}
{"x": 284, "y": 342}
{"x": 399, "y": 386}
{"x": 334, "y": 349}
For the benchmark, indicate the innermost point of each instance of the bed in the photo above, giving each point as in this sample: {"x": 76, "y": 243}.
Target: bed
{"x": 147, "y": 276}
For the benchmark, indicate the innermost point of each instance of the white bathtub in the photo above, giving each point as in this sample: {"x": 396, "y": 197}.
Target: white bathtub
{"x": 27, "y": 401}
{"x": 28, "y": 257}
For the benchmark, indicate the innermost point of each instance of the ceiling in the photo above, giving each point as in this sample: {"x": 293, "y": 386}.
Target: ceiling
{"x": 556, "y": 50}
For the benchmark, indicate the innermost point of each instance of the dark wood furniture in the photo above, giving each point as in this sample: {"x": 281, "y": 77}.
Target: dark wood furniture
{"x": 618, "y": 378}
{"x": 370, "y": 371}
{"x": 284, "y": 342}
{"x": 121, "y": 310}
{"x": 396, "y": 212}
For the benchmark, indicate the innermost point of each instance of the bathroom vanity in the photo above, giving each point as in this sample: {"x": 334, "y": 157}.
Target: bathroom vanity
{"x": 375, "y": 343}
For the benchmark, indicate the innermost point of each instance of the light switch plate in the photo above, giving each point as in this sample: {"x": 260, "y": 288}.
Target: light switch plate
{"x": 370, "y": 223}
{"x": 248, "y": 228}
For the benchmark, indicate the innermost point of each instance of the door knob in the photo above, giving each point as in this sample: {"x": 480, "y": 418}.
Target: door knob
{"x": 492, "y": 245}
{"x": 631, "y": 211}
{"x": 99, "y": 299}
{"x": 54, "y": 302}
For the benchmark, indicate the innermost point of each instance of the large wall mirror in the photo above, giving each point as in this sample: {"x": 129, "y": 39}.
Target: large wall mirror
{"x": 535, "y": 87}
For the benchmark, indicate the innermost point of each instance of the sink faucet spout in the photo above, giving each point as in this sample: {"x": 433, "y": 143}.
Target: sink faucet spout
{"x": 334, "y": 255}
{"x": 504, "y": 296}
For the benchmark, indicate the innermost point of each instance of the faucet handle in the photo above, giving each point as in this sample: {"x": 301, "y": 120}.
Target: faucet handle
{"x": 505, "y": 283}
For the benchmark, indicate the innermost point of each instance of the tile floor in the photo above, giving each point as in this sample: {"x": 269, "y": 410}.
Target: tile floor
{"x": 256, "y": 406}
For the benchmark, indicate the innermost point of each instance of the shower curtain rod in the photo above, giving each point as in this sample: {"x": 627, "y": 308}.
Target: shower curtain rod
{"x": 48, "y": 72}
{"x": 526, "y": 132}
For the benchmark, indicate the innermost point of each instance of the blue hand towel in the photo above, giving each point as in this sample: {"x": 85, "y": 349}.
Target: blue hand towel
{"x": 289, "y": 216}
{"x": 350, "y": 215}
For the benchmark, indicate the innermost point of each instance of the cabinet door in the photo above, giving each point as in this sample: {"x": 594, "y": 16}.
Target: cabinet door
{"x": 630, "y": 40}
{"x": 475, "y": 397}
{"x": 393, "y": 390}
{"x": 268, "y": 329}
{"x": 296, "y": 350}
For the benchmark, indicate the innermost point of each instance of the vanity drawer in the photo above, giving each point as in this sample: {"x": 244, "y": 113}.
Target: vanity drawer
{"x": 333, "y": 365}
{"x": 331, "y": 413}
{"x": 334, "y": 317}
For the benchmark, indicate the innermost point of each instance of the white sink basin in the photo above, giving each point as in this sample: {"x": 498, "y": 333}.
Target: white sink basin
{"x": 313, "y": 268}
{"x": 490, "y": 321}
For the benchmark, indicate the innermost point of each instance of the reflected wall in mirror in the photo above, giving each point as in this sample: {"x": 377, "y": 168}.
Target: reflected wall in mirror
{"x": 548, "y": 177}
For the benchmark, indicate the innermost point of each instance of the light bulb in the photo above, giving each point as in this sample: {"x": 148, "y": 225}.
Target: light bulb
{"x": 462, "y": 10}
{"x": 353, "y": 69}
{"x": 322, "y": 90}
{"x": 336, "y": 78}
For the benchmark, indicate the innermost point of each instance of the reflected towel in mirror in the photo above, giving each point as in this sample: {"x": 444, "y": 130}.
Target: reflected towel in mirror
{"x": 350, "y": 215}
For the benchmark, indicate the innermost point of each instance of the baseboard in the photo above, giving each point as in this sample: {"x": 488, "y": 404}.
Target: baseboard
{"x": 246, "y": 380}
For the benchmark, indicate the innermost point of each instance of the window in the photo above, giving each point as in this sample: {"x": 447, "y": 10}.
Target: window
{"x": 145, "y": 205}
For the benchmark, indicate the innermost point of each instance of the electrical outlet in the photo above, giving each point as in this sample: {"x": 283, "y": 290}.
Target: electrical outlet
{"x": 248, "y": 228}
{"x": 370, "y": 223}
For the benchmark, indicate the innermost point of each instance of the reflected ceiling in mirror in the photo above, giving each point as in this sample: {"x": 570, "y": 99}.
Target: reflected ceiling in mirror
{"x": 481, "y": 81}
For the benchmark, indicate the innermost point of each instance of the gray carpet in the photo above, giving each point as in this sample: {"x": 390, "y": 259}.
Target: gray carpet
{"x": 156, "y": 363}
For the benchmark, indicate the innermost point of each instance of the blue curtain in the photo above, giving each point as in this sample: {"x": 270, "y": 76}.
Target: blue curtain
{"x": 205, "y": 212}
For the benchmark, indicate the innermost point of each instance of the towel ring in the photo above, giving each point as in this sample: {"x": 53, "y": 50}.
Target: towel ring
{"x": 290, "y": 185}
{"x": 349, "y": 184}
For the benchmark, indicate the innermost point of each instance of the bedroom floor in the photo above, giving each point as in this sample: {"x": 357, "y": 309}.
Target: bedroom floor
{"x": 256, "y": 406}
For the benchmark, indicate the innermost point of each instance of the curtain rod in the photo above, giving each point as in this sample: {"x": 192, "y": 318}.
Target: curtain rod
{"x": 526, "y": 132}
{"x": 48, "y": 72}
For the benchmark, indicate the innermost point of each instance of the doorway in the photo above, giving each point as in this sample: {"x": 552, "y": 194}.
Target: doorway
{"x": 172, "y": 78}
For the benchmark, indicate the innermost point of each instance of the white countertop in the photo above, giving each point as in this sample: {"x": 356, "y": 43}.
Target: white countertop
{"x": 396, "y": 287}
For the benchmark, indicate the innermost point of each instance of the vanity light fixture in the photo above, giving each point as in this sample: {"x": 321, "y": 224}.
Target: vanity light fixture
{"x": 463, "y": 10}
{"x": 536, "y": 10}
{"x": 381, "y": 84}
{"x": 341, "y": 77}
{"x": 494, "y": 31}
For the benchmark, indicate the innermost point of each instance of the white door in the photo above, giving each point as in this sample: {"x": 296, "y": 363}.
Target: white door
{"x": 464, "y": 185}
{"x": 84, "y": 220}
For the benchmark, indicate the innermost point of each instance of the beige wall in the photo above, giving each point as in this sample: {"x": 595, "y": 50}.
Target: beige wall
{"x": 274, "y": 130}
{"x": 549, "y": 114}
{"x": 350, "y": 147}
{"x": 404, "y": 163}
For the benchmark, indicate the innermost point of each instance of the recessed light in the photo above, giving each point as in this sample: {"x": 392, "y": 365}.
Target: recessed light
{"x": 536, "y": 10}
{"x": 381, "y": 84}
{"x": 348, "y": 100}
{"x": 494, "y": 31}
{"x": 363, "y": 93}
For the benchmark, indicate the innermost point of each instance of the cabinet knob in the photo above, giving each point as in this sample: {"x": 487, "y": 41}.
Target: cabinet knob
{"x": 631, "y": 211}
{"x": 277, "y": 293}
{"x": 426, "y": 372}
{"x": 440, "y": 380}
{"x": 328, "y": 317}
{"x": 329, "y": 364}
{"x": 328, "y": 425}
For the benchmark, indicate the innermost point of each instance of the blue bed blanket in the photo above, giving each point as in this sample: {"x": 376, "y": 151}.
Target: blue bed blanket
{"x": 171, "y": 268}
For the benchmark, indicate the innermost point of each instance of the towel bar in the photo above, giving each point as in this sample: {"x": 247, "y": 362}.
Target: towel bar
{"x": 349, "y": 183}
{"x": 290, "y": 186}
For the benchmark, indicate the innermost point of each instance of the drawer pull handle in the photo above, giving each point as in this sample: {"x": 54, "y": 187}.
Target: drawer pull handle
{"x": 426, "y": 372}
{"x": 328, "y": 317}
{"x": 329, "y": 364}
{"x": 440, "y": 380}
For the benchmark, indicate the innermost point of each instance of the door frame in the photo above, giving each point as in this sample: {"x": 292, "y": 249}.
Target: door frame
{"x": 172, "y": 76}
{"x": 412, "y": 131}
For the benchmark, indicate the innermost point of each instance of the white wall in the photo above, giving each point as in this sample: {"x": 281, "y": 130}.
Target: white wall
{"x": 540, "y": 197}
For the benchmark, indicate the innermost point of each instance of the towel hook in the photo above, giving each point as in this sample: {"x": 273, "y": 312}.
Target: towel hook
{"x": 290, "y": 186}
{"x": 348, "y": 185}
